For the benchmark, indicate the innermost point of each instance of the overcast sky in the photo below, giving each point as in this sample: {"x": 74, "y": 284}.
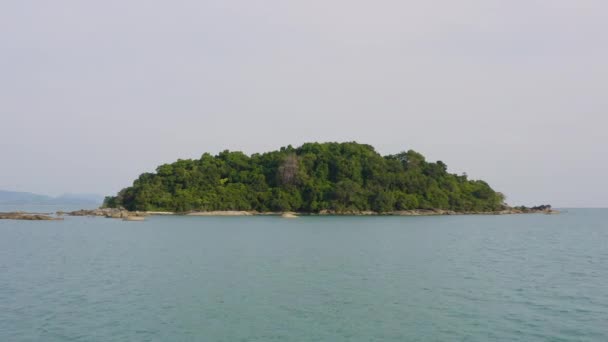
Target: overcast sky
{"x": 93, "y": 93}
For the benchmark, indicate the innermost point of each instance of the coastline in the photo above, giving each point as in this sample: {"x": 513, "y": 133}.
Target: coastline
{"x": 121, "y": 213}
{"x": 414, "y": 212}
{"x": 21, "y": 215}
{"x": 140, "y": 215}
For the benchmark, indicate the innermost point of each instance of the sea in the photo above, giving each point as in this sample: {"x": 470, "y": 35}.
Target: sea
{"x": 528, "y": 277}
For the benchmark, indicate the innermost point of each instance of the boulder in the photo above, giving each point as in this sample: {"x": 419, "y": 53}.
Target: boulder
{"x": 134, "y": 218}
{"x": 289, "y": 215}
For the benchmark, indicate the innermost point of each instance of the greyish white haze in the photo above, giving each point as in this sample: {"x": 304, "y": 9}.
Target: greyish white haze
{"x": 512, "y": 92}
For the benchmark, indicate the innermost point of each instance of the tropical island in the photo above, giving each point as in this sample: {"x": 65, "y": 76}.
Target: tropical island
{"x": 315, "y": 178}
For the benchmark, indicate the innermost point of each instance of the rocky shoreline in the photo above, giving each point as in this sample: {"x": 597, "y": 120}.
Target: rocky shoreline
{"x": 108, "y": 213}
{"x": 119, "y": 213}
{"x": 122, "y": 213}
{"x": 20, "y": 215}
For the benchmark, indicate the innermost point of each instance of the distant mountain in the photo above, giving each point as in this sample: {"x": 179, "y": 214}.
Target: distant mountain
{"x": 78, "y": 199}
{"x": 20, "y": 198}
{"x": 15, "y": 197}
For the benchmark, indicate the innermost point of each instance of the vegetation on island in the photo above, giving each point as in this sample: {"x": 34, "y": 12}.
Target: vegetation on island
{"x": 315, "y": 177}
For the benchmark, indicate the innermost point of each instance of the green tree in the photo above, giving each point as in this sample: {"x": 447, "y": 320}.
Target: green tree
{"x": 315, "y": 176}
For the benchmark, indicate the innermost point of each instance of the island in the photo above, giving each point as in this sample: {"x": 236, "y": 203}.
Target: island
{"x": 314, "y": 179}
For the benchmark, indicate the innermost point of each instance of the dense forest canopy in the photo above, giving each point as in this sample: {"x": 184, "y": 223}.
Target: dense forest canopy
{"x": 339, "y": 177}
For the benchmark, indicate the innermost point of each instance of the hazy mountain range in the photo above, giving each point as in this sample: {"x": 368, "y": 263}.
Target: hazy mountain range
{"x": 16, "y": 197}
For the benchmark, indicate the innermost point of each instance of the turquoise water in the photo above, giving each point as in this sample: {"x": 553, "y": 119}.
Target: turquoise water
{"x": 450, "y": 278}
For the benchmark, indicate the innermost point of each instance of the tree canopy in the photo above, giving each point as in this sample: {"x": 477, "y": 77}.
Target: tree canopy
{"x": 339, "y": 177}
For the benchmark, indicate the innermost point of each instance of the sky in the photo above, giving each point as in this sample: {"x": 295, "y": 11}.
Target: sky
{"x": 93, "y": 93}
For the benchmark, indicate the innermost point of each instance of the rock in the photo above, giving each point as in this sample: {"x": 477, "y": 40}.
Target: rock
{"x": 107, "y": 212}
{"x": 160, "y": 213}
{"x": 28, "y": 216}
{"x": 541, "y": 209}
{"x": 289, "y": 215}
{"x": 134, "y": 218}
{"x": 220, "y": 213}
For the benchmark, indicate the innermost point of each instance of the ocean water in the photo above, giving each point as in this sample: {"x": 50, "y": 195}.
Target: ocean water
{"x": 449, "y": 278}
